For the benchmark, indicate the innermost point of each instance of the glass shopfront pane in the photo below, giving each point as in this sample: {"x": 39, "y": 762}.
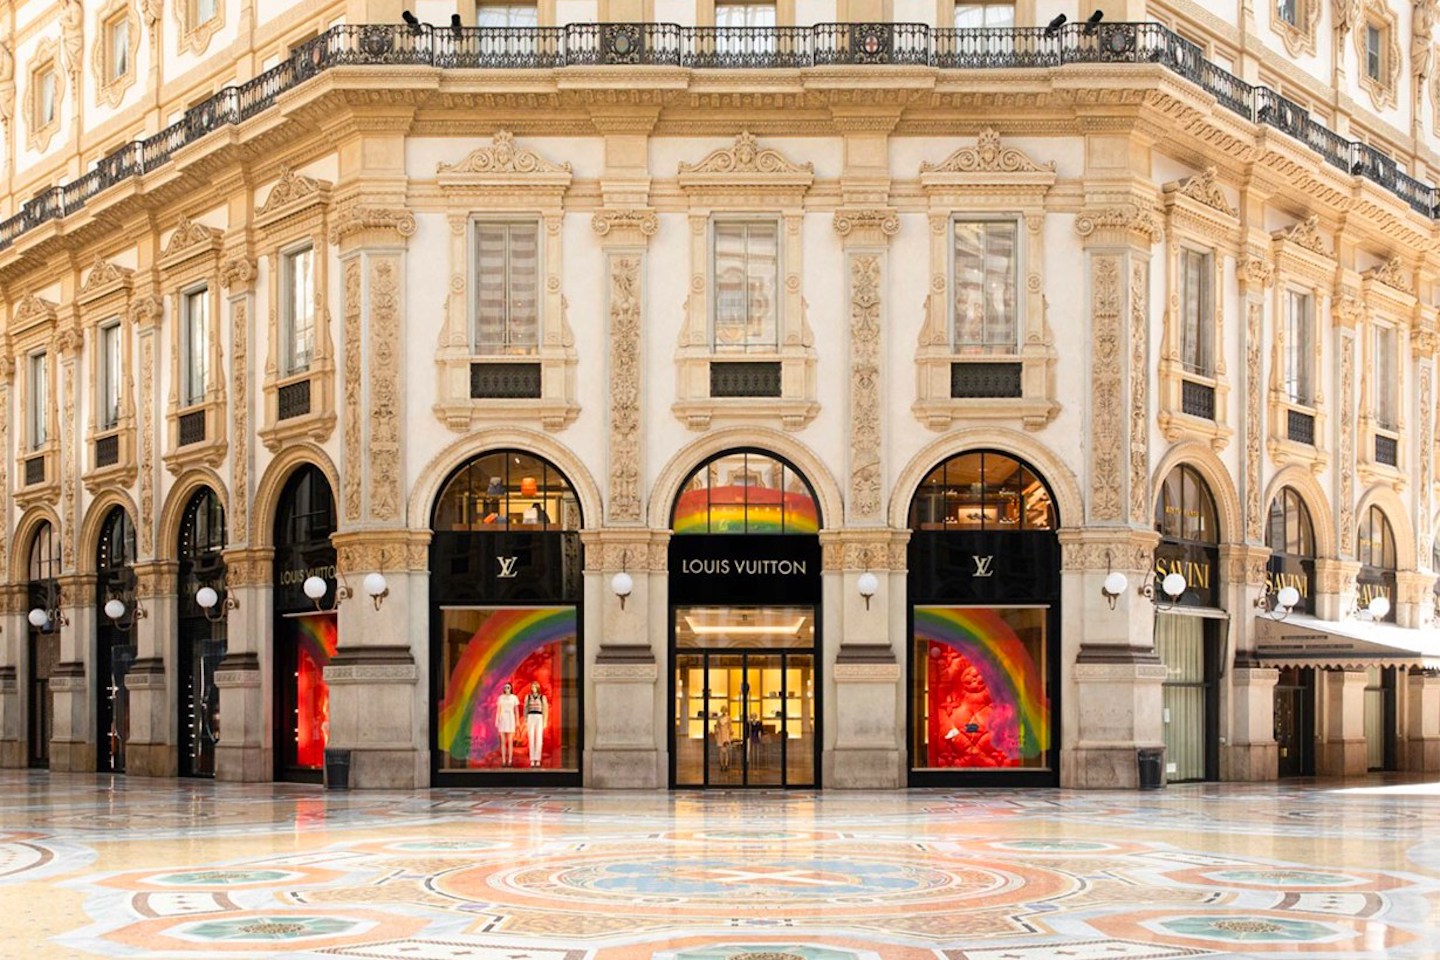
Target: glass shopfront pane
{"x": 979, "y": 691}
{"x": 734, "y": 627}
{"x": 313, "y": 639}
{"x": 1180, "y": 644}
{"x": 482, "y": 726}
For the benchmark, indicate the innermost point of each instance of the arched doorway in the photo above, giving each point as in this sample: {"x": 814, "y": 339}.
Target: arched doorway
{"x": 114, "y": 638}
{"x": 506, "y": 593}
{"x": 1375, "y": 549}
{"x": 306, "y": 636}
{"x": 201, "y": 639}
{"x": 1189, "y": 628}
{"x": 984, "y": 615}
{"x": 1290, "y": 535}
{"x": 745, "y": 580}
{"x": 43, "y": 643}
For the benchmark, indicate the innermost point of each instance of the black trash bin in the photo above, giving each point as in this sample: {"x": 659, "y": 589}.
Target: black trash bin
{"x": 337, "y": 769}
{"x": 1151, "y": 761}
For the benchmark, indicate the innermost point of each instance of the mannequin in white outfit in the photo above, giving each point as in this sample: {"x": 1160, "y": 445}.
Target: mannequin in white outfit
{"x": 507, "y": 719}
{"x": 537, "y": 712}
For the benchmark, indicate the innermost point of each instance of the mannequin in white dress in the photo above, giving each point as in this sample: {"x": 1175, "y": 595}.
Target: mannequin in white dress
{"x": 507, "y": 718}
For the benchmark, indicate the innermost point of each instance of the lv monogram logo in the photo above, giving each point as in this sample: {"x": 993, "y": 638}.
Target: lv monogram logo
{"x": 507, "y": 567}
{"x": 982, "y": 566}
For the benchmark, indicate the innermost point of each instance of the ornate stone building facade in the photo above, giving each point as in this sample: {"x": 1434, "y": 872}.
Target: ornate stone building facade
{"x": 724, "y": 394}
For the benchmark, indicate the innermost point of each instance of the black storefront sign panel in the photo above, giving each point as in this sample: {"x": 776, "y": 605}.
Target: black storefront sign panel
{"x": 502, "y": 567}
{"x": 1284, "y": 570}
{"x": 984, "y": 567}
{"x": 293, "y": 566}
{"x": 1198, "y": 563}
{"x": 753, "y": 569}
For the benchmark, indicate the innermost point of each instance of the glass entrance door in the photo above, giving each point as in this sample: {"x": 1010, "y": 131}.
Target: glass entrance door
{"x": 744, "y": 719}
{"x": 1294, "y": 723}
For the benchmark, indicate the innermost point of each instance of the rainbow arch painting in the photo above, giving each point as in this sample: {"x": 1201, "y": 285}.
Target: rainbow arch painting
{"x": 745, "y": 509}
{"x": 493, "y": 655}
{"x": 988, "y": 642}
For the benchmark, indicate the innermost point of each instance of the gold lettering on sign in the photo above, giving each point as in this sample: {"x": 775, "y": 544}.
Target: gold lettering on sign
{"x": 1279, "y": 581}
{"x": 1369, "y": 591}
{"x": 1195, "y": 574}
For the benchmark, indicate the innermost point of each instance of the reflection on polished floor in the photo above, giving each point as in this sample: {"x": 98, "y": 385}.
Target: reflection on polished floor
{"x": 102, "y": 866}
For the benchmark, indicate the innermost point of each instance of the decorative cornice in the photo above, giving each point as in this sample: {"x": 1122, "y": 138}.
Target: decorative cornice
{"x": 1124, "y": 218}
{"x": 640, "y": 221}
{"x": 1304, "y": 234}
{"x": 882, "y": 222}
{"x": 502, "y": 156}
{"x": 746, "y": 156}
{"x": 988, "y": 156}
{"x": 1204, "y": 188}
{"x": 358, "y": 219}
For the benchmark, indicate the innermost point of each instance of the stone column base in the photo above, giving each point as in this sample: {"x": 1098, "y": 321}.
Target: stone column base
{"x": 867, "y": 754}
{"x": 240, "y": 756}
{"x": 72, "y": 756}
{"x": 1342, "y": 758}
{"x": 372, "y": 705}
{"x": 1422, "y": 755}
{"x": 146, "y": 752}
{"x": 151, "y": 760}
{"x": 1110, "y": 766}
{"x": 1250, "y": 761}
{"x": 69, "y": 752}
{"x": 381, "y": 768}
{"x": 624, "y": 753}
{"x": 12, "y": 753}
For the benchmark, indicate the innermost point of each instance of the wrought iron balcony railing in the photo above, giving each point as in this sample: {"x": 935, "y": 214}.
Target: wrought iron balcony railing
{"x": 724, "y": 48}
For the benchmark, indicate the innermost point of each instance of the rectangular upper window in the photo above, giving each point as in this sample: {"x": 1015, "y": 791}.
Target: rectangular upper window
{"x": 1197, "y": 312}
{"x": 746, "y": 269}
{"x": 507, "y": 15}
{"x": 507, "y": 272}
{"x": 47, "y": 82}
{"x": 1386, "y": 389}
{"x": 203, "y": 11}
{"x": 39, "y": 399}
{"x": 984, "y": 271}
{"x": 117, "y": 48}
{"x": 1299, "y": 347}
{"x": 1374, "y": 36}
{"x": 1288, "y": 11}
{"x": 195, "y": 346}
{"x": 971, "y": 16}
{"x": 298, "y": 309}
{"x": 745, "y": 14}
{"x": 107, "y": 380}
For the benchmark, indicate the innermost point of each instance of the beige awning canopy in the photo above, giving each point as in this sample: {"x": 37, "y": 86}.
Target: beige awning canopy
{"x": 1302, "y": 641}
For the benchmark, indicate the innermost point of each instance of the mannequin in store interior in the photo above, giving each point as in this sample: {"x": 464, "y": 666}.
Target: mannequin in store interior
{"x": 537, "y": 712}
{"x": 507, "y": 719}
{"x": 724, "y": 735}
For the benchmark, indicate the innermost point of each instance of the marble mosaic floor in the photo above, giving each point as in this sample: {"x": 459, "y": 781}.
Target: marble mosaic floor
{"x": 92, "y": 866}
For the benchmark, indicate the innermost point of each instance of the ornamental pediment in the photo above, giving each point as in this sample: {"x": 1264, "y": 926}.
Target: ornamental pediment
{"x": 988, "y": 163}
{"x": 190, "y": 239}
{"x": 291, "y": 193}
{"x": 503, "y": 164}
{"x": 1204, "y": 188}
{"x": 105, "y": 277}
{"x": 746, "y": 164}
{"x": 1305, "y": 235}
{"x": 30, "y": 311}
{"x": 1393, "y": 274}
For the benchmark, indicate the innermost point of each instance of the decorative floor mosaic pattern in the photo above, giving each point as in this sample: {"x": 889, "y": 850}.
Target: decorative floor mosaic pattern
{"x": 95, "y": 866}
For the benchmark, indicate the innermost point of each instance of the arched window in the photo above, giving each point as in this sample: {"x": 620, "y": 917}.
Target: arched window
{"x": 44, "y": 554}
{"x": 307, "y": 508}
{"x": 116, "y": 550}
{"x": 507, "y": 489}
{"x": 982, "y": 490}
{"x": 745, "y": 491}
{"x": 1186, "y": 509}
{"x": 1290, "y": 535}
{"x": 1377, "y": 540}
{"x": 202, "y": 633}
{"x": 202, "y": 529}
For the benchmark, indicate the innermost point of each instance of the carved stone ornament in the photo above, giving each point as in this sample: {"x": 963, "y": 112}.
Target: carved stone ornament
{"x": 290, "y": 188}
{"x": 383, "y": 448}
{"x": 353, "y": 463}
{"x": 988, "y": 156}
{"x": 1140, "y": 509}
{"x": 1126, "y": 218}
{"x": 1346, "y": 465}
{"x": 882, "y": 221}
{"x": 625, "y": 373}
{"x": 1106, "y": 412}
{"x": 237, "y": 273}
{"x": 503, "y": 156}
{"x": 1392, "y": 273}
{"x": 240, "y": 413}
{"x": 1254, "y": 516}
{"x": 1305, "y": 234}
{"x": 31, "y": 310}
{"x": 746, "y": 156}
{"x": 641, "y": 221}
{"x": 1205, "y": 188}
{"x": 1258, "y": 272}
{"x": 103, "y": 275}
{"x": 355, "y": 219}
{"x": 189, "y": 235}
{"x": 865, "y": 479}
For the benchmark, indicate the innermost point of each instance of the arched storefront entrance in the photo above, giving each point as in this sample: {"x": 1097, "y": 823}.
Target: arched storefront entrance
{"x": 744, "y": 583}
{"x": 1376, "y": 553}
{"x": 114, "y": 638}
{"x": 306, "y": 636}
{"x": 201, "y": 639}
{"x": 43, "y": 644}
{"x": 506, "y": 590}
{"x": 1189, "y": 628}
{"x": 984, "y": 616}
{"x": 1290, "y": 535}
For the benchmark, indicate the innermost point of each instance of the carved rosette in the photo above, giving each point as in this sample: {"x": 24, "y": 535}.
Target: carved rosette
{"x": 383, "y": 403}
{"x": 625, "y": 506}
{"x": 1139, "y": 399}
{"x": 865, "y": 480}
{"x": 1105, "y": 382}
{"x": 354, "y": 462}
{"x": 1346, "y": 409}
{"x": 1254, "y": 509}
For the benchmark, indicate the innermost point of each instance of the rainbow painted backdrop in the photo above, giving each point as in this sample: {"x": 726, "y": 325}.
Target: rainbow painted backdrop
{"x": 741, "y": 509}
{"x": 317, "y": 639}
{"x": 515, "y": 645}
{"x": 1020, "y": 715}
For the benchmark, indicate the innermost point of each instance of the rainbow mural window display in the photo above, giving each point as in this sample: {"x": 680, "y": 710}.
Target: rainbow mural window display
{"x": 980, "y": 688}
{"x": 484, "y": 648}
{"x": 745, "y": 492}
{"x": 317, "y": 639}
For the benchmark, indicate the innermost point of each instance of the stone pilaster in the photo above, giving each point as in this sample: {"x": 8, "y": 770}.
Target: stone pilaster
{"x": 1342, "y": 745}
{"x": 1421, "y": 746}
{"x": 72, "y": 740}
{"x": 1415, "y": 597}
{"x": 244, "y": 751}
{"x": 150, "y": 748}
{"x": 13, "y": 701}
{"x": 1335, "y": 590}
{"x": 1251, "y": 753}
